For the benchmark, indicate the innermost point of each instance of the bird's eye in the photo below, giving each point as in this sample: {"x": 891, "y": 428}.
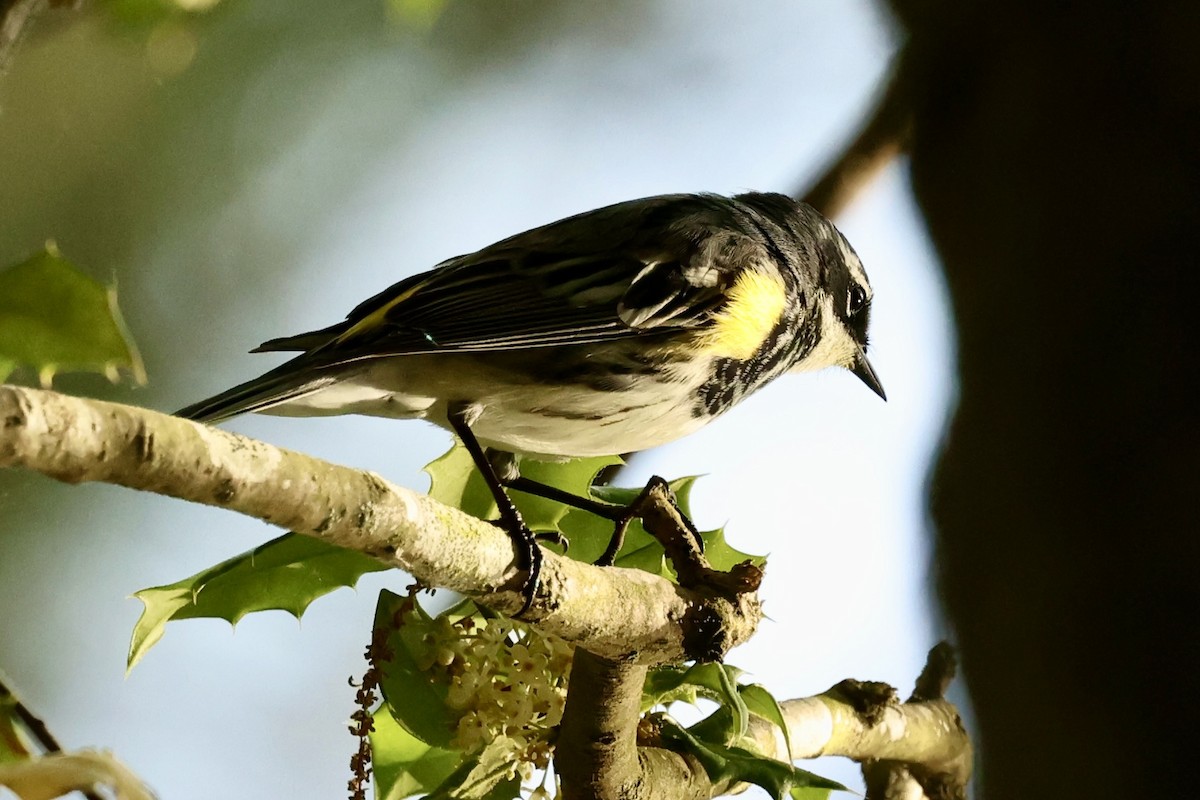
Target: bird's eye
{"x": 858, "y": 299}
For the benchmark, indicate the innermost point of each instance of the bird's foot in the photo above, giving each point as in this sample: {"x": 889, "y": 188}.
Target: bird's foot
{"x": 529, "y": 555}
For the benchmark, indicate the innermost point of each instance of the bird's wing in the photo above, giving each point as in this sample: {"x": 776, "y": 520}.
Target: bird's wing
{"x": 641, "y": 268}
{"x": 531, "y": 291}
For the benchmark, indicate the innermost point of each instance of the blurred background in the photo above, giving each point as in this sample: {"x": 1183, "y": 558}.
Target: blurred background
{"x": 258, "y": 169}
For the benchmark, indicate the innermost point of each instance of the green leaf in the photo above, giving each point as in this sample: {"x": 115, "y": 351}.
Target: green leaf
{"x": 624, "y": 495}
{"x": 482, "y": 776}
{"x": 417, "y": 703}
{"x": 54, "y": 318}
{"x": 708, "y": 680}
{"x": 810, "y": 793}
{"x": 454, "y": 480}
{"x": 762, "y": 703}
{"x": 716, "y": 682}
{"x": 404, "y": 765}
{"x": 575, "y": 476}
{"x": 287, "y": 573}
{"x": 724, "y": 763}
{"x": 723, "y": 557}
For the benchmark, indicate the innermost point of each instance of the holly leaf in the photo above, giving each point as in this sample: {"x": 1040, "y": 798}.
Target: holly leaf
{"x": 416, "y": 702}
{"x": 455, "y": 481}
{"x": 404, "y": 765}
{"x": 716, "y": 682}
{"x": 54, "y": 318}
{"x": 574, "y": 477}
{"x": 762, "y": 703}
{"x": 723, "y": 557}
{"x": 286, "y": 574}
{"x": 724, "y": 763}
{"x": 482, "y": 776}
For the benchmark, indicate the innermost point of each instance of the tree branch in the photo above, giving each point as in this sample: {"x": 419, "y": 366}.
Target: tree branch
{"x": 884, "y": 135}
{"x": 611, "y": 611}
{"x": 596, "y": 754}
{"x": 918, "y": 748}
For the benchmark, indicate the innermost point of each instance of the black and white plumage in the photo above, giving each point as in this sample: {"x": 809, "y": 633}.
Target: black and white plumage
{"x": 611, "y": 331}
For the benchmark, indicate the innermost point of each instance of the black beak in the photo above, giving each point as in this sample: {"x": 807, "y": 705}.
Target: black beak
{"x": 866, "y": 373}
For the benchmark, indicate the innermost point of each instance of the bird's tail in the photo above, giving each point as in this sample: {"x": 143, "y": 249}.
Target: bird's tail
{"x": 288, "y": 381}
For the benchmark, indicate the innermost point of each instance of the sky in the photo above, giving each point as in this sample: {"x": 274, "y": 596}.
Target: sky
{"x": 359, "y": 170}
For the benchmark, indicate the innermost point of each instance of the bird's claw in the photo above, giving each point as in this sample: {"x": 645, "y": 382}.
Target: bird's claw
{"x": 529, "y": 558}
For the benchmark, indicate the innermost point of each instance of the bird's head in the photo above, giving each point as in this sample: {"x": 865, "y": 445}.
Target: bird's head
{"x": 843, "y": 302}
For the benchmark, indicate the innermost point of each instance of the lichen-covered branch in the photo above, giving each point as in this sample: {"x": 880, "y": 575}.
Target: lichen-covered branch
{"x": 613, "y": 612}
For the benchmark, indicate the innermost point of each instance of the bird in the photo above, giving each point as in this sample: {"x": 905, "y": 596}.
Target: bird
{"x": 608, "y": 332}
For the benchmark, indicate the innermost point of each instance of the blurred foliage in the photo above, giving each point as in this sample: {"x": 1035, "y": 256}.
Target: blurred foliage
{"x": 146, "y": 12}
{"x": 419, "y": 14}
{"x": 53, "y": 318}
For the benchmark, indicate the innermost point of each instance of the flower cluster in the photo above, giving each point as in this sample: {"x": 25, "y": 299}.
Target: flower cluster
{"x": 508, "y": 681}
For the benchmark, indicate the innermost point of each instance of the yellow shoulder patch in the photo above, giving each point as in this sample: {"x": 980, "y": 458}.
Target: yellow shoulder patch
{"x": 756, "y": 302}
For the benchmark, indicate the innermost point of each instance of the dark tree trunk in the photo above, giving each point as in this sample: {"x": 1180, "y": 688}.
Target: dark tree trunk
{"x": 1056, "y": 156}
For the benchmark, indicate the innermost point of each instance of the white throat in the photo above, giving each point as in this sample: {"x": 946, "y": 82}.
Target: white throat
{"x": 834, "y": 348}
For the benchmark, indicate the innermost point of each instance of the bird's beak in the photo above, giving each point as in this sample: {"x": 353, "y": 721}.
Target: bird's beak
{"x": 866, "y": 373}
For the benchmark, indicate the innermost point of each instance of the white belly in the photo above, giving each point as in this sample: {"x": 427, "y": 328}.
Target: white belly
{"x": 513, "y": 412}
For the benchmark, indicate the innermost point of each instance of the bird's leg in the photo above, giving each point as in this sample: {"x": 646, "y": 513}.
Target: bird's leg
{"x": 620, "y": 516}
{"x": 597, "y": 507}
{"x": 529, "y": 555}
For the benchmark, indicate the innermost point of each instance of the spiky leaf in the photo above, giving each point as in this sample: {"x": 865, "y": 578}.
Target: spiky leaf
{"x": 288, "y": 573}
{"x": 403, "y": 764}
{"x": 54, "y": 318}
{"x": 729, "y": 764}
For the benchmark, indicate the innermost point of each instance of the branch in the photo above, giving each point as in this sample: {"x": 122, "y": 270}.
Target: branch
{"x": 883, "y": 136}
{"x": 86, "y": 771}
{"x": 914, "y": 749}
{"x": 918, "y": 748}
{"x": 611, "y": 611}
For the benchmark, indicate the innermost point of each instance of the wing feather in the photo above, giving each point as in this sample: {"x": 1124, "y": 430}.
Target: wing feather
{"x": 634, "y": 269}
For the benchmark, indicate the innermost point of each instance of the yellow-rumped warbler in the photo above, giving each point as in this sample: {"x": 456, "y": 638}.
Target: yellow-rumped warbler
{"x": 607, "y": 332}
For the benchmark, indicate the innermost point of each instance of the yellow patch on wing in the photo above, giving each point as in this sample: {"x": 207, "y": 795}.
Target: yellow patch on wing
{"x": 376, "y": 317}
{"x": 756, "y": 302}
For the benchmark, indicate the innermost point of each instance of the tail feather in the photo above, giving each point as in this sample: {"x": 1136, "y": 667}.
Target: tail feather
{"x": 304, "y": 341}
{"x": 286, "y": 382}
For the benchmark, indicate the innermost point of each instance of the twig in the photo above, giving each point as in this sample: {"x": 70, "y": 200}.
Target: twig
{"x": 36, "y": 726}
